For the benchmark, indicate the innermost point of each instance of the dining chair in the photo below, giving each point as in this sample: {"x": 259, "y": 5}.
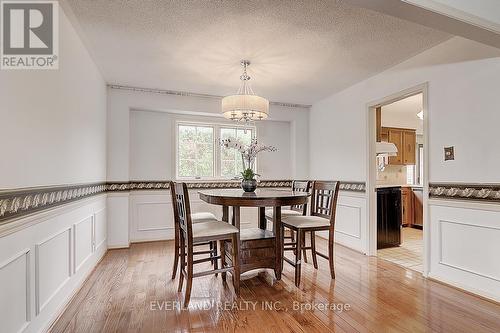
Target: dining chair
{"x": 295, "y": 210}
{"x": 323, "y": 207}
{"x": 191, "y": 234}
{"x": 195, "y": 218}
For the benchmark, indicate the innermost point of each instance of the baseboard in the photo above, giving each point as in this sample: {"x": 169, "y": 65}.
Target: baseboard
{"x": 476, "y": 293}
{"x": 152, "y": 241}
{"x": 118, "y": 247}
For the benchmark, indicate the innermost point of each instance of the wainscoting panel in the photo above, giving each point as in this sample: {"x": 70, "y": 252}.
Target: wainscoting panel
{"x": 351, "y": 222}
{"x": 83, "y": 244}
{"x": 348, "y": 220}
{"x": 46, "y": 261}
{"x": 15, "y": 312}
{"x": 100, "y": 228}
{"x": 151, "y": 216}
{"x": 465, "y": 243}
{"x": 53, "y": 266}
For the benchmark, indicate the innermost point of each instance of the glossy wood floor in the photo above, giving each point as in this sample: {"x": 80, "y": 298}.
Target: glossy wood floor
{"x": 128, "y": 287}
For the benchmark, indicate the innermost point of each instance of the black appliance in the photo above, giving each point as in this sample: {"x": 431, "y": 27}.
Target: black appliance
{"x": 388, "y": 217}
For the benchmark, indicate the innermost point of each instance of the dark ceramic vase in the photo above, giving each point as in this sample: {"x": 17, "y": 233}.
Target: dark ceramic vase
{"x": 249, "y": 185}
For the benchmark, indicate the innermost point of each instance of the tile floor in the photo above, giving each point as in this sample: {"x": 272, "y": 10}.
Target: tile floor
{"x": 409, "y": 254}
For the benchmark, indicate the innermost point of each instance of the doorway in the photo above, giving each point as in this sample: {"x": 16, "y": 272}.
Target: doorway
{"x": 398, "y": 179}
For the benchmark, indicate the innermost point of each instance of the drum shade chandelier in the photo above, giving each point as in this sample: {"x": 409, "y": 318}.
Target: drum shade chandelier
{"x": 245, "y": 106}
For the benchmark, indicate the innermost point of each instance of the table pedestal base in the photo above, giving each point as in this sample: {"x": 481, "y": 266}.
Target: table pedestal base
{"x": 257, "y": 250}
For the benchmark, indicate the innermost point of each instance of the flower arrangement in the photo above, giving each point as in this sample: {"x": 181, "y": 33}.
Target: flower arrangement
{"x": 248, "y": 155}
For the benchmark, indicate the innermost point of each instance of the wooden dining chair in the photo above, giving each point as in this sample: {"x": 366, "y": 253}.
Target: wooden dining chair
{"x": 295, "y": 210}
{"x": 323, "y": 207}
{"x": 192, "y": 234}
{"x": 195, "y": 218}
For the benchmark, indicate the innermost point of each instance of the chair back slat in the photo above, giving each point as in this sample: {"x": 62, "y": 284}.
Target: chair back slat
{"x": 182, "y": 209}
{"x": 300, "y": 186}
{"x": 324, "y": 199}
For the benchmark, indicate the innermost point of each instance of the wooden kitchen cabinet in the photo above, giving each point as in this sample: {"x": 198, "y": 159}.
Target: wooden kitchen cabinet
{"x": 405, "y": 140}
{"x": 409, "y": 147}
{"x": 407, "y": 206}
{"x": 418, "y": 208}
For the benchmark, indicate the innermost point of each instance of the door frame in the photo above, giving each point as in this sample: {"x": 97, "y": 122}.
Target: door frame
{"x": 372, "y": 167}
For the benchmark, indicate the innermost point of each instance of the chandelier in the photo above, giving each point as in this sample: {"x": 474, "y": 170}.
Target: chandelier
{"x": 245, "y": 106}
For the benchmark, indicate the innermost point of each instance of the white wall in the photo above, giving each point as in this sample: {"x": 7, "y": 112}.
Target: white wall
{"x": 152, "y": 145}
{"x": 53, "y": 130}
{"x": 53, "y": 122}
{"x": 463, "y": 79}
{"x": 463, "y": 111}
{"x": 138, "y": 129}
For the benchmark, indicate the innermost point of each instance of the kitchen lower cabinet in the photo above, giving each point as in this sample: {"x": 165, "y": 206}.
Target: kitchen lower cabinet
{"x": 407, "y": 206}
{"x": 418, "y": 208}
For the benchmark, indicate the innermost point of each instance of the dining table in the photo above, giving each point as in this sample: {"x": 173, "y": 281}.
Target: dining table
{"x": 260, "y": 248}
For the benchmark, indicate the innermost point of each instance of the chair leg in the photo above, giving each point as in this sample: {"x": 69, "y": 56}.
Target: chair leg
{"x": 183, "y": 262}
{"x": 236, "y": 263}
{"x": 214, "y": 253}
{"x": 313, "y": 250}
{"x": 298, "y": 258}
{"x": 331, "y": 255}
{"x": 177, "y": 254}
{"x": 223, "y": 258}
{"x": 303, "y": 240}
{"x": 283, "y": 245}
{"x": 292, "y": 238}
{"x": 211, "y": 245}
{"x": 189, "y": 277}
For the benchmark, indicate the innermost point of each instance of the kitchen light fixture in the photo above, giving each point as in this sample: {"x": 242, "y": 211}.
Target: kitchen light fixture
{"x": 245, "y": 106}
{"x": 386, "y": 149}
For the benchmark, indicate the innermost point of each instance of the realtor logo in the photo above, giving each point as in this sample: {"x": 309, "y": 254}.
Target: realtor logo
{"x": 30, "y": 35}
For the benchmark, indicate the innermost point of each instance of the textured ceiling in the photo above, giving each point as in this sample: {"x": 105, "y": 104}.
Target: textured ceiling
{"x": 301, "y": 51}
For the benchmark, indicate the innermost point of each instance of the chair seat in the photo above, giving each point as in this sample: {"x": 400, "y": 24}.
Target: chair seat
{"x": 213, "y": 228}
{"x": 203, "y": 217}
{"x": 284, "y": 213}
{"x": 306, "y": 222}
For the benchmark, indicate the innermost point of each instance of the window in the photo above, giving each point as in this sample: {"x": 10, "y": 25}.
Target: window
{"x": 199, "y": 155}
{"x": 195, "y": 151}
{"x": 420, "y": 164}
{"x": 230, "y": 159}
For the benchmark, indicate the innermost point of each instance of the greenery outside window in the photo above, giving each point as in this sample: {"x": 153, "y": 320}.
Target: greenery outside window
{"x": 199, "y": 155}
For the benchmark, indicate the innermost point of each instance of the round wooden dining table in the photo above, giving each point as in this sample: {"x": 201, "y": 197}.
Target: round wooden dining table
{"x": 259, "y": 247}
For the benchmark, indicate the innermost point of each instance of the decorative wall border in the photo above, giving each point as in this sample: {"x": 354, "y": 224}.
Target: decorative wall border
{"x": 460, "y": 191}
{"x": 17, "y": 203}
{"x": 353, "y": 186}
{"x": 21, "y": 202}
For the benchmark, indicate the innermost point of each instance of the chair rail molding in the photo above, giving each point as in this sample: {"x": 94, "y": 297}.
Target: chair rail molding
{"x": 16, "y": 203}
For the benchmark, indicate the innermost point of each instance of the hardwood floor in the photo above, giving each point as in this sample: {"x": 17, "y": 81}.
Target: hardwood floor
{"x": 130, "y": 288}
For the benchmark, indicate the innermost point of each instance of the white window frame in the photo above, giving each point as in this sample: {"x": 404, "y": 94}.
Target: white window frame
{"x": 217, "y": 148}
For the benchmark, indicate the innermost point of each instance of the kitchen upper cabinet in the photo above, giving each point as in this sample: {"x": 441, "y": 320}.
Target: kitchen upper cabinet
{"x": 405, "y": 140}
{"x": 396, "y": 137}
{"x": 409, "y": 147}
